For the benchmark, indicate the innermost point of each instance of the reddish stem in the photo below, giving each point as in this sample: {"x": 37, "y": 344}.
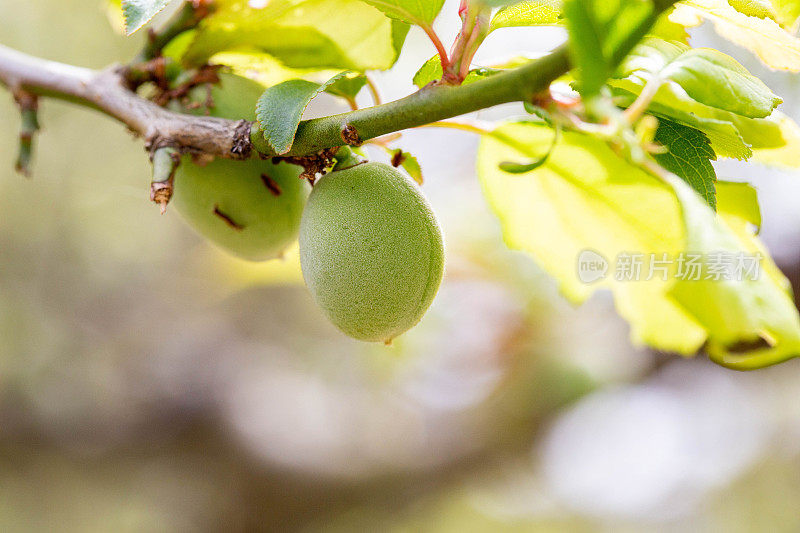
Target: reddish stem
{"x": 440, "y": 49}
{"x": 474, "y": 26}
{"x": 463, "y": 7}
{"x": 469, "y": 52}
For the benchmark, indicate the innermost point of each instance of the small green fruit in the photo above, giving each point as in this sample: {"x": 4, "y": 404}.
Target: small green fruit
{"x": 234, "y": 97}
{"x": 371, "y": 251}
{"x": 250, "y": 208}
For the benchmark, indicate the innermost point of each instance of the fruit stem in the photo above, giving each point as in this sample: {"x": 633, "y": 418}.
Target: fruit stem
{"x": 346, "y": 158}
{"x": 373, "y": 90}
{"x": 643, "y": 101}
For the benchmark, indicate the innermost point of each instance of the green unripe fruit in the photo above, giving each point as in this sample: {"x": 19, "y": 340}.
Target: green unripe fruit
{"x": 234, "y": 97}
{"x": 371, "y": 251}
{"x": 250, "y": 208}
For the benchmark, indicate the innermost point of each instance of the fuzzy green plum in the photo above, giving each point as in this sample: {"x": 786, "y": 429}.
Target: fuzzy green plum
{"x": 234, "y": 97}
{"x": 251, "y": 208}
{"x": 371, "y": 251}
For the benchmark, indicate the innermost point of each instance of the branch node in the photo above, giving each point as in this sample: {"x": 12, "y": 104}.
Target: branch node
{"x": 350, "y": 135}
{"x": 312, "y": 164}
{"x": 242, "y": 146}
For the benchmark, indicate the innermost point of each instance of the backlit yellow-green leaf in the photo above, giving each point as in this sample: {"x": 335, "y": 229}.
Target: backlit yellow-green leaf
{"x": 783, "y": 155}
{"x": 775, "y": 46}
{"x": 113, "y": 9}
{"x": 549, "y": 13}
{"x": 532, "y": 13}
{"x": 301, "y": 34}
{"x": 740, "y": 200}
{"x": 588, "y": 198}
{"x": 755, "y": 8}
{"x": 707, "y": 75}
{"x": 419, "y": 12}
{"x": 739, "y": 314}
{"x": 731, "y": 134}
{"x": 788, "y": 12}
{"x": 267, "y": 70}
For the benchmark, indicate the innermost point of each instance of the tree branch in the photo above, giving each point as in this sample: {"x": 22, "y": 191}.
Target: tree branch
{"x": 105, "y": 90}
{"x": 430, "y": 104}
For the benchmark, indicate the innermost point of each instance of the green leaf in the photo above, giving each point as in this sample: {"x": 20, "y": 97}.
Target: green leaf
{"x": 419, "y": 12}
{"x": 731, "y": 134}
{"x": 550, "y": 13}
{"x": 499, "y": 3}
{"x": 347, "y": 86}
{"x": 785, "y": 153}
{"x": 689, "y": 157}
{"x": 280, "y": 109}
{"x": 788, "y": 12}
{"x": 587, "y": 37}
{"x": 408, "y": 162}
{"x": 335, "y": 34}
{"x": 533, "y": 13}
{"x": 399, "y": 32}
{"x": 137, "y": 13}
{"x": 116, "y": 18}
{"x": 708, "y": 76}
{"x": 431, "y": 70}
{"x": 740, "y": 200}
{"x": 587, "y": 198}
{"x": 752, "y": 322}
{"x": 726, "y": 140}
{"x": 267, "y": 70}
{"x": 601, "y": 34}
{"x": 664, "y": 28}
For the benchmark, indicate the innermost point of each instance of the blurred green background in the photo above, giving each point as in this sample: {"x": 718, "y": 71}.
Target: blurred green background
{"x": 149, "y": 383}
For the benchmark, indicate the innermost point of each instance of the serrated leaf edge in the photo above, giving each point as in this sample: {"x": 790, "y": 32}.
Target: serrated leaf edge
{"x": 262, "y": 102}
{"x": 126, "y": 13}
